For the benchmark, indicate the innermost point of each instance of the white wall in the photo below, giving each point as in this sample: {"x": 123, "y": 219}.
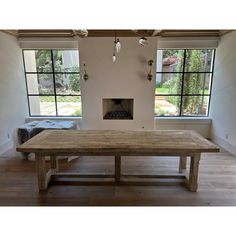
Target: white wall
{"x": 13, "y": 99}
{"x": 126, "y": 78}
{"x": 199, "y": 124}
{"x": 223, "y": 99}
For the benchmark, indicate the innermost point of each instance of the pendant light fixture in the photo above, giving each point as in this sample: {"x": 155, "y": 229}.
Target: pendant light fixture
{"x": 114, "y": 57}
{"x": 118, "y": 46}
{"x": 82, "y": 33}
{"x": 114, "y": 52}
{"x": 143, "y": 40}
{"x": 116, "y": 49}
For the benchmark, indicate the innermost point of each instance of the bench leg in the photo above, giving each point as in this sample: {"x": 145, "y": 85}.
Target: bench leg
{"x": 117, "y": 168}
{"x": 182, "y": 163}
{"x": 193, "y": 174}
{"x": 41, "y": 171}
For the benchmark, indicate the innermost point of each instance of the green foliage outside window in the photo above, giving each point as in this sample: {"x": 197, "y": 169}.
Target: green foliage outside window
{"x": 74, "y": 82}
{"x": 194, "y": 83}
{"x": 44, "y": 64}
{"x": 175, "y": 83}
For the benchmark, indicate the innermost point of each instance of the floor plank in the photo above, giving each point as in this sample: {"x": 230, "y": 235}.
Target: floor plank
{"x": 217, "y": 183}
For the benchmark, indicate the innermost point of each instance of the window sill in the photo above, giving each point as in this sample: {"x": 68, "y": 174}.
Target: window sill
{"x": 70, "y": 118}
{"x": 181, "y": 120}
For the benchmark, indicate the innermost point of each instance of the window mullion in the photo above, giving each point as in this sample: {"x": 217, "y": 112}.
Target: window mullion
{"x": 182, "y": 87}
{"x": 54, "y": 82}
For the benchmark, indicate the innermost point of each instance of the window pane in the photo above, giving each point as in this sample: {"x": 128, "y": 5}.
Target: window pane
{"x": 167, "y": 105}
{"x": 67, "y": 84}
{"x": 42, "y": 105}
{"x": 69, "y": 105}
{"x": 198, "y": 60}
{"x": 195, "y": 105}
{"x": 197, "y": 83}
{"x": 40, "y": 83}
{"x": 168, "y": 83}
{"x": 30, "y": 60}
{"x": 170, "y": 60}
{"x": 38, "y": 60}
{"x": 66, "y": 60}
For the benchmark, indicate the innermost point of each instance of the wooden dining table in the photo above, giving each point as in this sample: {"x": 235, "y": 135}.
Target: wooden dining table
{"x": 118, "y": 144}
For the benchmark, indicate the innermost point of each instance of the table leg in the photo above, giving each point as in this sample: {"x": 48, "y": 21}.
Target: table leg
{"x": 193, "y": 174}
{"x": 41, "y": 170}
{"x": 117, "y": 168}
{"x": 182, "y": 163}
{"x": 54, "y": 163}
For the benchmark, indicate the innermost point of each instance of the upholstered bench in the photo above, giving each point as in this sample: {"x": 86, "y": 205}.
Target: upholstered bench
{"x": 29, "y": 130}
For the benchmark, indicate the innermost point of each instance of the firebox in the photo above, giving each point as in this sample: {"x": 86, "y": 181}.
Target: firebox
{"x": 118, "y": 108}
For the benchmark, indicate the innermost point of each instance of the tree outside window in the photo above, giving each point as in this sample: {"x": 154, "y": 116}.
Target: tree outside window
{"x": 53, "y": 82}
{"x": 183, "y": 82}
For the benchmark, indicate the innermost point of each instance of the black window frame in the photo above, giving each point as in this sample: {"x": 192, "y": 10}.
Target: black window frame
{"x": 53, "y": 73}
{"x": 183, "y": 72}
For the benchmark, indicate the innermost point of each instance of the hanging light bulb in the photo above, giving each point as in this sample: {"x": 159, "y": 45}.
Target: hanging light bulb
{"x": 84, "y": 32}
{"x": 80, "y": 33}
{"x": 118, "y": 45}
{"x": 114, "y": 49}
{"x": 143, "y": 41}
{"x": 114, "y": 57}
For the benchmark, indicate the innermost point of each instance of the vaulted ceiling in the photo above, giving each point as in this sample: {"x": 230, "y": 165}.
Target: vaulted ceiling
{"x": 120, "y": 33}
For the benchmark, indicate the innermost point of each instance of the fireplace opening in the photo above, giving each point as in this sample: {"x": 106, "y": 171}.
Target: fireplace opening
{"x": 117, "y": 108}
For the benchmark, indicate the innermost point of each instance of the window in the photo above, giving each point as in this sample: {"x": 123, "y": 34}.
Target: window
{"x": 183, "y": 82}
{"x": 53, "y": 82}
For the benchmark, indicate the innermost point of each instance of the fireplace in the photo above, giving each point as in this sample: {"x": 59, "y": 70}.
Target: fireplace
{"x": 117, "y": 108}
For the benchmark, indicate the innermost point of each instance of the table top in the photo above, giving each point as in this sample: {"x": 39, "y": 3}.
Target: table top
{"x": 118, "y": 142}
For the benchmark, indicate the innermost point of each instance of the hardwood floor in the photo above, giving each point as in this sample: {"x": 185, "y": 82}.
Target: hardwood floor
{"x": 217, "y": 183}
